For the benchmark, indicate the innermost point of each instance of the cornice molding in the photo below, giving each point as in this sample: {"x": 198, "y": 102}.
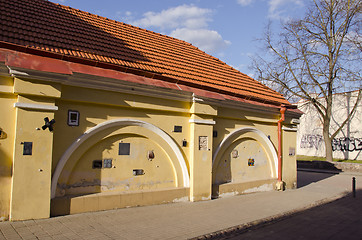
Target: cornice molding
{"x": 33, "y": 106}
{"x": 200, "y": 121}
{"x": 290, "y": 129}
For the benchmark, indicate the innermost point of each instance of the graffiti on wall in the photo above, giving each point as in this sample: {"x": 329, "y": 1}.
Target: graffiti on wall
{"x": 311, "y": 141}
{"x": 347, "y": 144}
{"x": 338, "y": 144}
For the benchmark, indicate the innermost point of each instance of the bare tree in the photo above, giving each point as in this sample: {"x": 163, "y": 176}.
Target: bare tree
{"x": 316, "y": 56}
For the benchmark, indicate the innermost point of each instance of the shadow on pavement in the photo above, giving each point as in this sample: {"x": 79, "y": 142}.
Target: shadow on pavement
{"x": 305, "y": 178}
{"x": 321, "y": 165}
{"x": 339, "y": 219}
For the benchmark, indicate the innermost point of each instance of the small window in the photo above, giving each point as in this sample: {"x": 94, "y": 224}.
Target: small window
{"x": 214, "y": 134}
{"x": 107, "y": 163}
{"x": 73, "y": 118}
{"x": 177, "y": 128}
{"x": 97, "y": 164}
{"x": 28, "y": 148}
{"x": 137, "y": 172}
{"x": 124, "y": 148}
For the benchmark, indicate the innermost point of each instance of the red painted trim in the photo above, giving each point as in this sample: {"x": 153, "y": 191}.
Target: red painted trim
{"x": 37, "y": 59}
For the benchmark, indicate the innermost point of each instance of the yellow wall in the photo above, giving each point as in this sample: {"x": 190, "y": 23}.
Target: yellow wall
{"x": 31, "y": 173}
{"x": 233, "y": 166}
{"x": 289, "y": 158}
{"x": 200, "y": 160}
{"x": 84, "y": 188}
{"x": 97, "y": 106}
{"x": 159, "y": 172}
{"x": 231, "y": 171}
{"x": 7, "y": 125}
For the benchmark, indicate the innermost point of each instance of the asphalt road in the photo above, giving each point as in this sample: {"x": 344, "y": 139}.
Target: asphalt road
{"x": 340, "y": 219}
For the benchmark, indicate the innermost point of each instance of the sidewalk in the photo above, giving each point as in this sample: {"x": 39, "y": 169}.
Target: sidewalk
{"x": 184, "y": 220}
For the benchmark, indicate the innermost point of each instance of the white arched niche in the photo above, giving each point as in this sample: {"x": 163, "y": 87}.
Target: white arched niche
{"x": 119, "y": 123}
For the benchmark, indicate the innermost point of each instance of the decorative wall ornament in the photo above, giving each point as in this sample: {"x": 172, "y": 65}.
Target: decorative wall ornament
{"x": 3, "y": 135}
{"x": 48, "y": 124}
{"x": 203, "y": 142}
{"x": 234, "y": 153}
{"x": 150, "y": 155}
{"x": 251, "y": 162}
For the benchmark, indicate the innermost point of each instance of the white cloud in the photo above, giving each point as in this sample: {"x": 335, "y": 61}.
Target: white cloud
{"x": 188, "y": 16}
{"x": 207, "y": 40}
{"x": 124, "y": 16}
{"x": 244, "y": 2}
{"x": 188, "y": 23}
{"x": 278, "y": 8}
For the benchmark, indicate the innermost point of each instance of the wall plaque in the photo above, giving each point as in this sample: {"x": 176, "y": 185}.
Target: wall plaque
{"x": 27, "y": 148}
{"x": 124, "y": 148}
{"x": 203, "y": 143}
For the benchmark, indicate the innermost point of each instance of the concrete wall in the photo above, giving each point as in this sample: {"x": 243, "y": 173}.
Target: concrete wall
{"x": 347, "y": 144}
{"x": 178, "y": 148}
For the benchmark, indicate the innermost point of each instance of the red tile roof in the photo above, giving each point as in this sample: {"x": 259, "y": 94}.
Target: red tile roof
{"x": 52, "y": 30}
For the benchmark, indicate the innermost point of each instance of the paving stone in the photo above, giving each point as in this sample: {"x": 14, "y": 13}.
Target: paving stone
{"x": 188, "y": 220}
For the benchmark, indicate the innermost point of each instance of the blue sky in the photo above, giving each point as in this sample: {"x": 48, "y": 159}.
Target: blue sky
{"x": 226, "y": 29}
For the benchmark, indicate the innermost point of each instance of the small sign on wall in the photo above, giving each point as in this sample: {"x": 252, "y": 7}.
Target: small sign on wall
{"x": 251, "y": 162}
{"x": 203, "y": 143}
{"x": 107, "y": 163}
{"x": 291, "y": 151}
{"x": 27, "y": 148}
{"x": 235, "y": 153}
{"x": 124, "y": 148}
{"x": 177, "y": 129}
{"x": 73, "y": 118}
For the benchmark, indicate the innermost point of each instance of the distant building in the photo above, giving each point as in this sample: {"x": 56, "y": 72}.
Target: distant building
{"x": 347, "y": 144}
{"x": 98, "y": 114}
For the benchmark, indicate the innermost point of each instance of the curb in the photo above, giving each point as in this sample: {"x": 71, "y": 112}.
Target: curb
{"x": 318, "y": 170}
{"x": 225, "y": 233}
{"x": 330, "y": 166}
{"x": 329, "y": 171}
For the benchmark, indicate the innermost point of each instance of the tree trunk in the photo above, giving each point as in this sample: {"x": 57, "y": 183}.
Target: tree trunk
{"x": 327, "y": 141}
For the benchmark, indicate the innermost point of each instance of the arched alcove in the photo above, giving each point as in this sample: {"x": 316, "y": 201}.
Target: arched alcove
{"x": 107, "y": 131}
{"x": 244, "y": 159}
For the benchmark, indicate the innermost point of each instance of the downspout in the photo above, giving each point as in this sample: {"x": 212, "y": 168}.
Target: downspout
{"x": 280, "y": 184}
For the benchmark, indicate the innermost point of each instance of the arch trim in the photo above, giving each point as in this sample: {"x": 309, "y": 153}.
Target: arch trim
{"x": 113, "y": 123}
{"x": 241, "y": 131}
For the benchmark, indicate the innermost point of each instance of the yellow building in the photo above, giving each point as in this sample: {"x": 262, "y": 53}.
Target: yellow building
{"x": 98, "y": 114}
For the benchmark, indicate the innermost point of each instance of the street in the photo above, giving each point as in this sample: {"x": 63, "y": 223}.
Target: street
{"x": 262, "y": 215}
{"x": 340, "y": 219}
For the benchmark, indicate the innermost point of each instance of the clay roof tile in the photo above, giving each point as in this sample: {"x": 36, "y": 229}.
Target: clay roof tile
{"x": 65, "y": 30}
